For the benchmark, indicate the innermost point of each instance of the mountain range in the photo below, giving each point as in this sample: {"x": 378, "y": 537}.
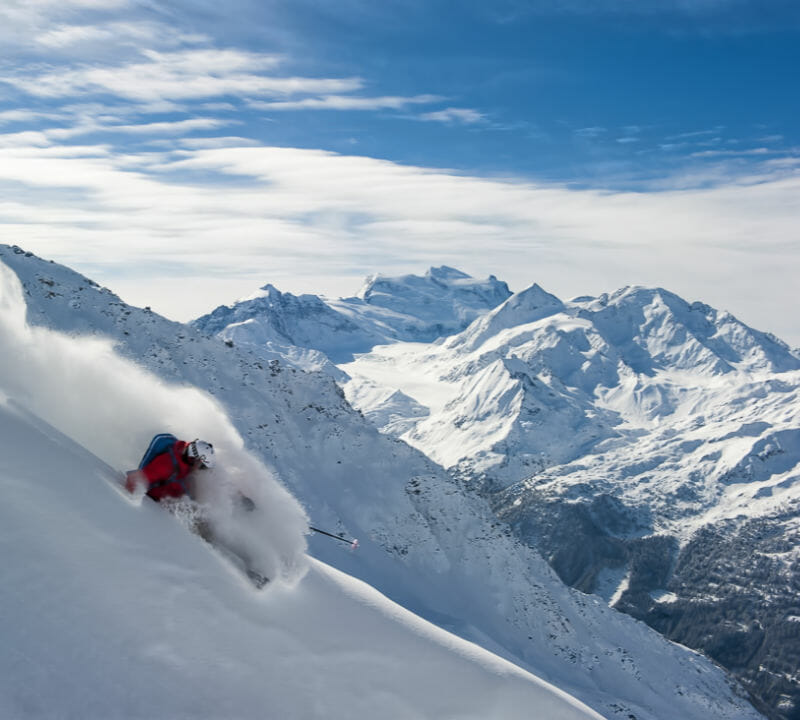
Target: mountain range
{"x": 647, "y": 447}
{"x": 499, "y": 411}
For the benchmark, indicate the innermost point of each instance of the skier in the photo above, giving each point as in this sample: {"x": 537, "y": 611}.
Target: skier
{"x": 167, "y": 469}
{"x": 167, "y": 466}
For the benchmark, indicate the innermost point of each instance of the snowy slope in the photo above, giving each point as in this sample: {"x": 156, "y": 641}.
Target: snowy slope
{"x": 427, "y": 541}
{"x": 112, "y": 610}
{"x": 306, "y": 331}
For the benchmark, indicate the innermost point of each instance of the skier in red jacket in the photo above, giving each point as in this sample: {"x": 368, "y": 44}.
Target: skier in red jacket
{"x": 169, "y": 473}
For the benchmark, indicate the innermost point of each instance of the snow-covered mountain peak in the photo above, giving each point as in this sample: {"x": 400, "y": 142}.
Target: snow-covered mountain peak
{"x": 299, "y": 328}
{"x": 265, "y": 291}
{"x": 296, "y": 328}
{"x": 574, "y": 375}
{"x": 534, "y": 299}
{"x": 379, "y": 284}
{"x": 444, "y": 298}
{"x": 268, "y": 300}
{"x": 445, "y": 273}
{"x": 522, "y": 308}
{"x": 656, "y": 329}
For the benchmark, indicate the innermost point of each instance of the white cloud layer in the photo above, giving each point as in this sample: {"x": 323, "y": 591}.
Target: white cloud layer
{"x": 72, "y": 37}
{"x": 313, "y": 221}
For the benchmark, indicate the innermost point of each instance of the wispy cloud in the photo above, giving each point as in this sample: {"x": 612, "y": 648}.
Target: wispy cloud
{"x": 151, "y": 34}
{"x": 175, "y": 76}
{"x": 47, "y": 137}
{"x": 218, "y": 142}
{"x": 176, "y": 127}
{"x": 23, "y": 115}
{"x": 453, "y": 115}
{"x": 696, "y": 134}
{"x": 346, "y": 102}
{"x": 733, "y": 153}
{"x": 22, "y": 21}
{"x": 449, "y": 116}
{"x": 65, "y": 36}
{"x": 673, "y": 146}
{"x": 164, "y": 81}
{"x": 591, "y": 132}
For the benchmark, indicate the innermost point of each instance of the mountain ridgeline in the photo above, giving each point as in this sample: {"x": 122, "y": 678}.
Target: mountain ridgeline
{"x": 386, "y": 310}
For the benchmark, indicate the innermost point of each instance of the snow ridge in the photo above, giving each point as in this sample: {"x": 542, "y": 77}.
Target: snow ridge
{"x": 408, "y": 308}
{"x": 441, "y": 303}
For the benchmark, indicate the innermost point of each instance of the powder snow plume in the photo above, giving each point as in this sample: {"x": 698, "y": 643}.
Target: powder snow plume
{"x": 113, "y": 407}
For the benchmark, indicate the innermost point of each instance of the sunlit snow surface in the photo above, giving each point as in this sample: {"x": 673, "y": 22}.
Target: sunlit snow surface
{"x": 113, "y": 610}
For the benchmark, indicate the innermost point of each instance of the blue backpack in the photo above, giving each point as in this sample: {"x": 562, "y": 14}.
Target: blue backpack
{"x": 161, "y": 443}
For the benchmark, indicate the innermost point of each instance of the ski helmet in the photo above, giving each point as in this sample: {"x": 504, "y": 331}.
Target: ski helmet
{"x": 202, "y": 451}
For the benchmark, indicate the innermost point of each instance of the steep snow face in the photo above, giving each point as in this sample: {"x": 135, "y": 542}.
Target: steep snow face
{"x": 114, "y": 407}
{"x": 655, "y": 329}
{"x": 426, "y": 541}
{"x": 522, "y": 308}
{"x": 410, "y": 308}
{"x": 113, "y": 610}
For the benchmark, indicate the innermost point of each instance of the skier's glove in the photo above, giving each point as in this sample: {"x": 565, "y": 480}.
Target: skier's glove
{"x": 133, "y": 480}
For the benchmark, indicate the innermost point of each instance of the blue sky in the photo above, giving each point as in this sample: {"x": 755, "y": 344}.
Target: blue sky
{"x": 185, "y": 153}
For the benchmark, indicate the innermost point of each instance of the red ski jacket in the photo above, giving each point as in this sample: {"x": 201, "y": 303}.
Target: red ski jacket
{"x": 165, "y": 474}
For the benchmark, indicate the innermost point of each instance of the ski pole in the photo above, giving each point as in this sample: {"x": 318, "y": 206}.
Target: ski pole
{"x": 353, "y": 543}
